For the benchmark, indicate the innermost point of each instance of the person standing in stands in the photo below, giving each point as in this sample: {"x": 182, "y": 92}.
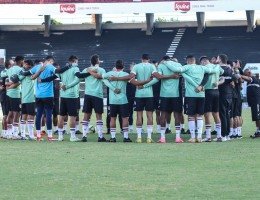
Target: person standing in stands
{"x": 3, "y": 97}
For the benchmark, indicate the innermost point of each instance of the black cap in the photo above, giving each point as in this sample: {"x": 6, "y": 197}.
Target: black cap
{"x": 203, "y": 57}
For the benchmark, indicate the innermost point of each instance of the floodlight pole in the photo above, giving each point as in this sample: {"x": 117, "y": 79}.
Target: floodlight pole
{"x": 251, "y": 20}
{"x": 149, "y": 23}
{"x": 98, "y": 22}
{"x": 200, "y": 21}
{"x": 47, "y": 25}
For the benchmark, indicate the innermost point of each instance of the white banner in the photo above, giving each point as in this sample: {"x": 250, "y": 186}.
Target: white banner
{"x": 129, "y": 8}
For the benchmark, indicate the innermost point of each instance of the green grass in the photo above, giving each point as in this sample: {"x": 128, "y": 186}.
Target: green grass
{"x": 32, "y": 170}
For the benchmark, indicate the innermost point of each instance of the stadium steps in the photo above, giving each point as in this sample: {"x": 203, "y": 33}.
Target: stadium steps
{"x": 175, "y": 42}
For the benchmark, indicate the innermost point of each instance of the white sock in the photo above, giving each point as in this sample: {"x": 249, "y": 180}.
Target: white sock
{"x": 239, "y": 131}
{"x": 235, "y": 131}
{"x": 182, "y": 126}
{"x": 43, "y": 128}
{"x": 231, "y": 131}
{"x": 113, "y": 132}
{"x": 168, "y": 126}
{"x": 218, "y": 129}
{"x": 9, "y": 129}
{"x": 65, "y": 126}
{"x": 158, "y": 128}
{"x": 131, "y": 127}
{"x": 163, "y": 132}
{"x": 139, "y": 131}
{"x": 199, "y": 127}
{"x": 208, "y": 131}
{"x": 191, "y": 124}
{"x": 125, "y": 130}
{"x": 38, "y": 132}
{"x": 15, "y": 129}
{"x": 85, "y": 128}
{"x": 49, "y": 132}
{"x": 100, "y": 128}
{"x": 55, "y": 128}
{"x": 30, "y": 127}
{"x": 60, "y": 132}
{"x": 77, "y": 126}
{"x": 149, "y": 131}
{"x": 178, "y": 131}
{"x": 72, "y": 132}
{"x": 23, "y": 127}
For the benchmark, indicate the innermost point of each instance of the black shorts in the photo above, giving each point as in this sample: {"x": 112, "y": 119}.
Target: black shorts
{"x": 92, "y": 102}
{"x": 28, "y": 109}
{"x": 212, "y": 101}
{"x": 194, "y": 105}
{"x": 121, "y": 110}
{"x": 56, "y": 107}
{"x": 14, "y": 104}
{"x": 171, "y": 104}
{"x": 68, "y": 106}
{"x": 255, "y": 111}
{"x": 156, "y": 103}
{"x": 237, "y": 110}
{"x": 146, "y": 103}
{"x": 5, "y": 107}
{"x": 47, "y": 103}
{"x": 78, "y": 104}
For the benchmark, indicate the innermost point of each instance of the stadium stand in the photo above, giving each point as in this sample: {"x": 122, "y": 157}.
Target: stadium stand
{"x": 130, "y": 44}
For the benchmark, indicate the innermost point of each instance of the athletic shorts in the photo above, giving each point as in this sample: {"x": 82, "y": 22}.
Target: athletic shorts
{"x": 171, "y": 104}
{"x": 255, "y": 111}
{"x": 194, "y": 105}
{"x": 56, "y": 107}
{"x": 78, "y": 104}
{"x": 237, "y": 110}
{"x": 156, "y": 103}
{"x": 68, "y": 106}
{"x": 92, "y": 102}
{"x": 14, "y": 104}
{"x": 5, "y": 107}
{"x": 122, "y": 110}
{"x": 212, "y": 101}
{"x": 28, "y": 109}
{"x": 146, "y": 103}
{"x": 47, "y": 103}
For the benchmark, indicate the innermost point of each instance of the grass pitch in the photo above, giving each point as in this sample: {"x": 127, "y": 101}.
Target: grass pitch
{"x": 42, "y": 170}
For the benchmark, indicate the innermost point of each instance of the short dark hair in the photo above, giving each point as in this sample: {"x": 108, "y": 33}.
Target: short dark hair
{"x": 203, "y": 57}
{"x": 73, "y": 58}
{"x": 18, "y": 59}
{"x": 7, "y": 63}
{"x": 119, "y": 64}
{"x": 94, "y": 59}
{"x": 166, "y": 58}
{"x": 190, "y": 57}
{"x": 49, "y": 58}
{"x": 29, "y": 62}
{"x": 223, "y": 58}
{"x": 229, "y": 62}
{"x": 56, "y": 64}
{"x": 37, "y": 61}
{"x": 145, "y": 56}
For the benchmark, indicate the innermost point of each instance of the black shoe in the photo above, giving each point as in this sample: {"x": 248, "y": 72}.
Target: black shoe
{"x": 64, "y": 132}
{"x": 127, "y": 140}
{"x": 102, "y": 139}
{"x": 78, "y": 132}
{"x": 214, "y": 132}
{"x": 183, "y": 131}
{"x": 112, "y": 140}
{"x": 256, "y": 135}
{"x": 55, "y": 132}
{"x": 187, "y": 132}
{"x": 232, "y": 137}
{"x": 168, "y": 131}
{"x": 239, "y": 136}
{"x": 84, "y": 139}
{"x": 204, "y": 133}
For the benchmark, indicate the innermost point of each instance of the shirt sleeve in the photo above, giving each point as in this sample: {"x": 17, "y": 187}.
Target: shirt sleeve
{"x": 34, "y": 69}
{"x": 134, "y": 71}
{"x": 106, "y": 75}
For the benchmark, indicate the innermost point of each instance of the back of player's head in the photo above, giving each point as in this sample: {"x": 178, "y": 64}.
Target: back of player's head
{"x": 190, "y": 59}
{"x": 19, "y": 59}
{"x": 49, "y": 58}
{"x": 223, "y": 58}
{"x": 166, "y": 58}
{"x": 56, "y": 65}
{"x": 37, "y": 61}
{"x": 119, "y": 64}
{"x": 29, "y": 62}
{"x": 8, "y": 63}
{"x": 204, "y": 58}
{"x": 145, "y": 56}
{"x": 94, "y": 60}
{"x": 229, "y": 62}
{"x": 73, "y": 58}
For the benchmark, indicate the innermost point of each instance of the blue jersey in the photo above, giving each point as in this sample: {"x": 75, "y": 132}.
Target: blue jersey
{"x": 44, "y": 90}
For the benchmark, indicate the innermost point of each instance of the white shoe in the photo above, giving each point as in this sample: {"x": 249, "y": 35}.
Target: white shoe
{"x": 74, "y": 139}
{"x": 228, "y": 138}
{"x": 31, "y": 138}
{"x": 224, "y": 139}
{"x": 60, "y": 138}
{"x": 7, "y": 136}
{"x": 16, "y": 137}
